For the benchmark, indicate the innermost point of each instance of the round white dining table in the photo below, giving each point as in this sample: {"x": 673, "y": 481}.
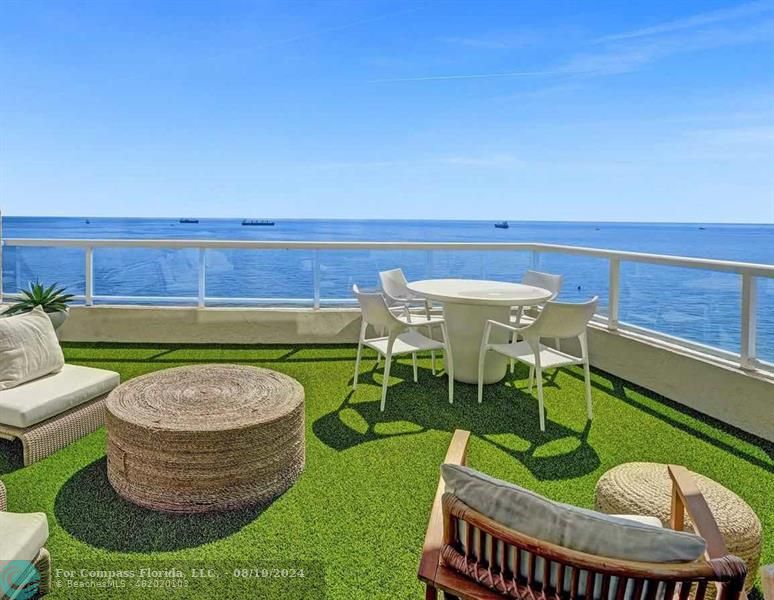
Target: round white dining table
{"x": 467, "y": 305}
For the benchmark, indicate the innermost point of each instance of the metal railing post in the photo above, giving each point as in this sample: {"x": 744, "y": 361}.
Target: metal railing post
{"x": 747, "y": 353}
{"x": 1, "y": 256}
{"x": 614, "y": 289}
{"x": 89, "y": 277}
{"x": 17, "y": 270}
{"x": 535, "y": 263}
{"x": 429, "y": 264}
{"x": 202, "y": 281}
{"x": 316, "y": 278}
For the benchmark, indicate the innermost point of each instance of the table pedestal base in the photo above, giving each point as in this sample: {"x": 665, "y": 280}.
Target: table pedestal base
{"x": 465, "y": 323}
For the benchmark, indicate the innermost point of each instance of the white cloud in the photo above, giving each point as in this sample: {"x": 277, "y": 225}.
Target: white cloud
{"x": 356, "y": 164}
{"x": 757, "y": 136}
{"x": 627, "y": 56}
{"x": 498, "y": 161}
{"x": 464, "y": 76}
{"x": 630, "y": 51}
{"x": 542, "y": 92}
{"x": 497, "y": 41}
{"x": 749, "y": 9}
{"x": 727, "y": 144}
{"x": 461, "y": 160}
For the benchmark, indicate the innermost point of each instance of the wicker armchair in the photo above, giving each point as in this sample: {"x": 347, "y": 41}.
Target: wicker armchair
{"x": 446, "y": 567}
{"x": 42, "y": 562}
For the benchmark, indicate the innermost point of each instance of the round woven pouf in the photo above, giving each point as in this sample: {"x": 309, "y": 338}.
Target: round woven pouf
{"x": 203, "y": 438}
{"x": 646, "y": 489}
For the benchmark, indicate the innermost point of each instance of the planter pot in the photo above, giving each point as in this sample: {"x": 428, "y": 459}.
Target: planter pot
{"x": 58, "y": 318}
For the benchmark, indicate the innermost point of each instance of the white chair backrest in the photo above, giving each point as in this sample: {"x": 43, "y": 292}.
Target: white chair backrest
{"x": 373, "y": 308}
{"x": 395, "y": 284}
{"x": 547, "y": 281}
{"x": 562, "y": 319}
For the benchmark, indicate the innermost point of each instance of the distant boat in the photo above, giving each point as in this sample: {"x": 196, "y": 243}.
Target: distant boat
{"x": 702, "y": 228}
{"x": 258, "y": 222}
{"x": 189, "y": 220}
{"x": 502, "y": 225}
{"x": 87, "y": 221}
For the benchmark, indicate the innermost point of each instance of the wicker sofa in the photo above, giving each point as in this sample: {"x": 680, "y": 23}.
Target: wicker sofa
{"x": 50, "y": 412}
{"x": 44, "y": 402}
{"x": 24, "y": 562}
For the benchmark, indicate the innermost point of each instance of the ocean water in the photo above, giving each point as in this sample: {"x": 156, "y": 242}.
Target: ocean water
{"x": 694, "y": 304}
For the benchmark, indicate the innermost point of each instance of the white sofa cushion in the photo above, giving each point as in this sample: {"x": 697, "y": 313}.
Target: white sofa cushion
{"x": 28, "y": 348}
{"x": 644, "y": 519}
{"x": 48, "y": 396}
{"x": 24, "y": 534}
{"x": 569, "y": 526}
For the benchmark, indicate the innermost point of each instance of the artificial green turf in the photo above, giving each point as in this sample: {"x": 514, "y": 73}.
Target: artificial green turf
{"x": 355, "y": 520}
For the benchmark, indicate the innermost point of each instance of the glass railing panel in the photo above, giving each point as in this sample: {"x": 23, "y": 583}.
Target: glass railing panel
{"x": 499, "y": 265}
{"x": 765, "y": 319}
{"x": 25, "y": 264}
{"x": 259, "y": 277}
{"x": 145, "y": 275}
{"x": 694, "y": 304}
{"x": 340, "y": 269}
{"x": 583, "y": 277}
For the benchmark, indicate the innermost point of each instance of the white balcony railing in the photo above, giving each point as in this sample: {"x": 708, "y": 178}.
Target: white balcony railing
{"x": 748, "y": 273}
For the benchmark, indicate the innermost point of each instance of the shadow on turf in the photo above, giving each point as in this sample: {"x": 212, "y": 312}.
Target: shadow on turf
{"x": 11, "y": 456}
{"x": 164, "y": 354}
{"x": 619, "y": 388}
{"x": 89, "y": 509}
{"x": 506, "y": 413}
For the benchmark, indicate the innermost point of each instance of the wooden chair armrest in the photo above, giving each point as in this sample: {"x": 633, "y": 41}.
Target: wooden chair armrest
{"x": 431, "y": 550}
{"x": 686, "y": 497}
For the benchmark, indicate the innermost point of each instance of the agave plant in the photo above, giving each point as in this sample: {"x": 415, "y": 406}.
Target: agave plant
{"x": 51, "y": 299}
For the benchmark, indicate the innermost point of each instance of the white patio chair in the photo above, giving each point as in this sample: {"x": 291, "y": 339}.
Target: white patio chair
{"x": 547, "y": 281}
{"x": 557, "y": 320}
{"x": 400, "y": 299}
{"x": 402, "y": 337}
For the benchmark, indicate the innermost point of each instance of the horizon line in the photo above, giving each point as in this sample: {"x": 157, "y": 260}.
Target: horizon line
{"x": 407, "y": 220}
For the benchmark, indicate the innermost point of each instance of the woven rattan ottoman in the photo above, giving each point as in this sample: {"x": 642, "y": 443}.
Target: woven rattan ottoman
{"x": 204, "y": 438}
{"x": 646, "y": 489}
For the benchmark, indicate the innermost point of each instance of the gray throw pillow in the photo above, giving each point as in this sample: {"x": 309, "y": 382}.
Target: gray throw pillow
{"x": 569, "y": 526}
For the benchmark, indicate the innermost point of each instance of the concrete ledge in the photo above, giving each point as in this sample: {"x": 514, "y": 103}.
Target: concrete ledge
{"x": 744, "y": 399}
{"x": 707, "y": 384}
{"x": 210, "y": 325}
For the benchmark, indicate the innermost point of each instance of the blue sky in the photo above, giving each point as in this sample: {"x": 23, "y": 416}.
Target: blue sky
{"x": 621, "y": 111}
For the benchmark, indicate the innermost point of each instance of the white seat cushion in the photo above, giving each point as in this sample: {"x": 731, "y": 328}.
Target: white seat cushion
{"x": 549, "y": 357}
{"x": 406, "y": 343}
{"x": 48, "y": 396}
{"x": 644, "y": 519}
{"x": 23, "y": 535}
